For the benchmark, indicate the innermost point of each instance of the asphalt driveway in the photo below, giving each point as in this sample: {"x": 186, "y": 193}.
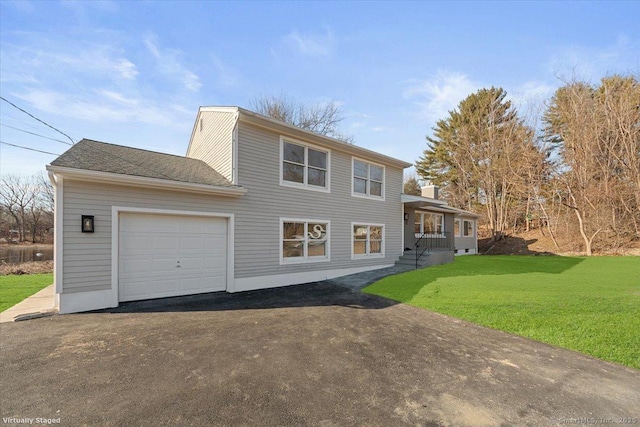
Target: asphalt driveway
{"x": 315, "y": 354}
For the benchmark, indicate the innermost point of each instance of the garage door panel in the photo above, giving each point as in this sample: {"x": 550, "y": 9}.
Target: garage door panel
{"x": 144, "y": 289}
{"x": 215, "y": 263}
{"x": 151, "y": 246}
{"x": 187, "y": 244}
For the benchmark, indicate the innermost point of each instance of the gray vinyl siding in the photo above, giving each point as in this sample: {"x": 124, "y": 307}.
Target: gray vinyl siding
{"x": 213, "y": 144}
{"x": 462, "y": 243}
{"x": 272, "y": 201}
{"x": 87, "y": 257}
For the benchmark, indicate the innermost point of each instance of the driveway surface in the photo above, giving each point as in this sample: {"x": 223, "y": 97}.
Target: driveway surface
{"x": 317, "y": 354}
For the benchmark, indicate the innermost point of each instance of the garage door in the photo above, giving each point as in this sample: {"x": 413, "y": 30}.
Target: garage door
{"x": 166, "y": 255}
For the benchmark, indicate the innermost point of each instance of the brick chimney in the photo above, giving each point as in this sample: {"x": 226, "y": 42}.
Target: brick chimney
{"x": 430, "y": 191}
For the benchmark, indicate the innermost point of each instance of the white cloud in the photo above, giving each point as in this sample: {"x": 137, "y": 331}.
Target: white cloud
{"x": 530, "y": 96}
{"x": 39, "y": 58}
{"x": 437, "y": 96}
{"x": 591, "y": 64}
{"x": 107, "y": 107}
{"x": 170, "y": 64}
{"x": 308, "y": 44}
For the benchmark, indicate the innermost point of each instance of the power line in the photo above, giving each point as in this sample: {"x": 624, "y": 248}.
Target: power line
{"x": 36, "y": 134}
{"x": 44, "y": 123}
{"x": 22, "y": 122}
{"x": 27, "y": 148}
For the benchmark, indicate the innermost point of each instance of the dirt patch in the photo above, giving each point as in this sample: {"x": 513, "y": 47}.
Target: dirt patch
{"x": 35, "y": 267}
{"x": 535, "y": 242}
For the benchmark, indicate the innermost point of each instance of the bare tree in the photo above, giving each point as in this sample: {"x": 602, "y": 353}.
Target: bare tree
{"x": 16, "y": 195}
{"x": 45, "y": 192}
{"x": 28, "y": 201}
{"x": 41, "y": 208}
{"x": 596, "y": 131}
{"x": 321, "y": 118}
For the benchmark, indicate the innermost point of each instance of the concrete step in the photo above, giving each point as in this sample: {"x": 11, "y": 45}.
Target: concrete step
{"x": 412, "y": 261}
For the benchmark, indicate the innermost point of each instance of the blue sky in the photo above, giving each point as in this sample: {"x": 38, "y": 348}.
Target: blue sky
{"x": 135, "y": 73}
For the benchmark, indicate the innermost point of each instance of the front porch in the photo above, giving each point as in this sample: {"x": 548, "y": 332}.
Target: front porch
{"x": 428, "y": 232}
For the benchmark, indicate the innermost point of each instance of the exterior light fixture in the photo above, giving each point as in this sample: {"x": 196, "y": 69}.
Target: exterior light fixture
{"x": 406, "y": 217}
{"x": 87, "y": 224}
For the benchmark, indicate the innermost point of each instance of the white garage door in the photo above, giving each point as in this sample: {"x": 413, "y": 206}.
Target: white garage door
{"x": 167, "y": 255}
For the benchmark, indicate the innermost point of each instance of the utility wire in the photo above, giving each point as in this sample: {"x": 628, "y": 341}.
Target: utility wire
{"x": 27, "y": 148}
{"x": 22, "y": 122}
{"x": 44, "y": 123}
{"x": 36, "y": 134}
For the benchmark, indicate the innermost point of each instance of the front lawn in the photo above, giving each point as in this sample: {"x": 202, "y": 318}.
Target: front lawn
{"x": 16, "y": 288}
{"x": 591, "y": 305}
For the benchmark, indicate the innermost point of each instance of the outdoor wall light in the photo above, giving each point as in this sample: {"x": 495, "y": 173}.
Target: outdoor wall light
{"x": 406, "y": 217}
{"x": 87, "y": 224}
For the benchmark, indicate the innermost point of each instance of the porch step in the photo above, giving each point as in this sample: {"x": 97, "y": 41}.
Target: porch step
{"x": 427, "y": 259}
{"x": 409, "y": 258}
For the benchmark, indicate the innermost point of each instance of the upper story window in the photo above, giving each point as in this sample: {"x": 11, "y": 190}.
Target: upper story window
{"x": 303, "y": 165}
{"x": 368, "y": 179}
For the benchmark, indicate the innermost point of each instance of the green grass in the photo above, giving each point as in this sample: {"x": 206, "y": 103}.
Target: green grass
{"x": 591, "y": 305}
{"x": 14, "y": 289}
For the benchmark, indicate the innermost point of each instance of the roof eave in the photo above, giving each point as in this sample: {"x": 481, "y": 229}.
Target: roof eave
{"x": 336, "y": 144}
{"x": 141, "y": 181}
{"x": 410, "y": 198}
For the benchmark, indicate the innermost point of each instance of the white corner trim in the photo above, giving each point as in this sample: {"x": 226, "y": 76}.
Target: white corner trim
{"x": 234, "y": 150}
{"x": 115, "y": 236}
{"x": 76, "y": 302}
{"x": 115, "y": 178}
{"x": 58, "y": 231}
{"x": 280, "y": 280}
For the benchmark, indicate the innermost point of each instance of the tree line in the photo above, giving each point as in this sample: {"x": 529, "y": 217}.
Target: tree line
{"x": 573, "y": 170}
{"x": 26, "y": 208}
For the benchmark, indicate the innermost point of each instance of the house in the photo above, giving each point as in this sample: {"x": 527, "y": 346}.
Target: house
{"x": 254, "y": 204}
{"x": 437, "y": 229}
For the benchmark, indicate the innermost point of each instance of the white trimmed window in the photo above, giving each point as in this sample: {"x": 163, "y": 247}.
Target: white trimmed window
{"x": 467, "y": 228}
{"x": 368, "y": 179}
{"x": 456, "y": 228}
{"x": 429, "y": 223}
{"x": 367, "y": 240}
{"x": 303, "y": 165}
{"x": 303, "y": 241}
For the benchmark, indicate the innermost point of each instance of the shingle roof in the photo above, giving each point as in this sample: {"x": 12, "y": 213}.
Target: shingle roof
{"x": 102, "y": 157}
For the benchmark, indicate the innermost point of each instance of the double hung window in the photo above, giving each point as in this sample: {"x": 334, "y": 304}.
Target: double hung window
{"x": 367, "y": 240}
{"x": 304, "y": 166}
{"x": 304, "y": 241}
{"x": 368, "y": 179}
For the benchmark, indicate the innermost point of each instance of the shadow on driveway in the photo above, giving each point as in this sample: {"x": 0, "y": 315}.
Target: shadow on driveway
{"x": 316, "y": 294}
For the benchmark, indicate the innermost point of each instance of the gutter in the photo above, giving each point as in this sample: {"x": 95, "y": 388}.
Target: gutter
{"x": 141, "y": 181}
